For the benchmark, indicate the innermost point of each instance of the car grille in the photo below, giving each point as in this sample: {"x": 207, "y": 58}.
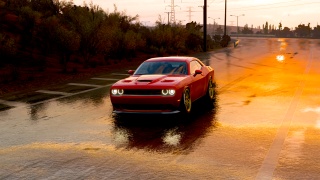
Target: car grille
{"x": 144, "y": 106}
{"x": 142, "y": 92}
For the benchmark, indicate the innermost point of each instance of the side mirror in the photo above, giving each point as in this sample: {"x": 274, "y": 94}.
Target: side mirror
{"x": 198, "y": 71}
{"x": 130, "y": 72}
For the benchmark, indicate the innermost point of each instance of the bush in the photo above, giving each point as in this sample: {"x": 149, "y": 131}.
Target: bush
{"x": 225, "y": 41}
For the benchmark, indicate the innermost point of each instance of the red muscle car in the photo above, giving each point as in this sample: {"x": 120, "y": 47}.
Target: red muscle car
{"x": 163, "y": 85}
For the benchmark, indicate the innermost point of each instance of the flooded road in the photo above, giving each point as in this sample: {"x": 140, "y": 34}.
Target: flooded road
{"x": 265, "y": 125}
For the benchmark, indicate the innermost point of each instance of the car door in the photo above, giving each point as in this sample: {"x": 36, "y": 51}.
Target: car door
{"x": 198, "y": 80}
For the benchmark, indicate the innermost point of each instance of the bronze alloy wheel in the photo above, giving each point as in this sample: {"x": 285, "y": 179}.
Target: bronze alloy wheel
{"x": 210, "y": 90}
{"x": 187, "y": 100}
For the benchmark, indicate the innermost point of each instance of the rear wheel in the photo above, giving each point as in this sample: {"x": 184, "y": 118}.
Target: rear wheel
{"x": 186, "y": 102}
{"x": 210, "y": 90}
{"x": 210, "y": 95}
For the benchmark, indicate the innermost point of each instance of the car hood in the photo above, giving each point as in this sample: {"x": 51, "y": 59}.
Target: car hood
{"x": 151, "y": 80}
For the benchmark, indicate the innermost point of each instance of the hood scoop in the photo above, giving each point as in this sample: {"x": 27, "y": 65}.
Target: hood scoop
{"x": 150, "y": 78}
{"x": 144, "y": 80}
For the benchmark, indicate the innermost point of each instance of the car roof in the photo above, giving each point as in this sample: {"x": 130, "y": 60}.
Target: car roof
{"x": 172, "y": 58}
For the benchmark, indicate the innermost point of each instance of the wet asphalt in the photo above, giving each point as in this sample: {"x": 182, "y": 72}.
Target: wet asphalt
{"x": 264, "y": 124}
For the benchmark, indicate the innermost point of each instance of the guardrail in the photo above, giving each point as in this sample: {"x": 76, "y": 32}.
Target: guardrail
{"x": 252, "y": 35}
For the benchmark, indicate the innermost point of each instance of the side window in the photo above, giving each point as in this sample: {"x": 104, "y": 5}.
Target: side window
{"x": 194, "y": 65}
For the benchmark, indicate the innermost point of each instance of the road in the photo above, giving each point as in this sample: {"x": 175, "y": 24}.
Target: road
{"x": 265, "y": 124}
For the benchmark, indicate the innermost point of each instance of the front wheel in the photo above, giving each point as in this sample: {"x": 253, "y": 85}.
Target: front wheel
{"x": 186, "y": 102}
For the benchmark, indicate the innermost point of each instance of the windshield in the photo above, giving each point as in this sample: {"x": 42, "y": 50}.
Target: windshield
{"x": 159, "y": 67}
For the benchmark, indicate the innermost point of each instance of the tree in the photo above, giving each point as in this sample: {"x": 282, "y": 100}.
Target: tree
{"x": 265, "y": 28}
{"x": 246, "y": 30}
{"x": 280, "y": 26}
{"x": 286, "y": 32}
{"x": 316, "y": 32}
{"x": 28, "y": 19}
{"x": 86, "y": 21}
{"x": 194, "y": 40}
{"x": 46, "y": 7}
{"x": 219, "y": 30}
{"x": 8, "y": 47}
{"x": 303, "y": 30}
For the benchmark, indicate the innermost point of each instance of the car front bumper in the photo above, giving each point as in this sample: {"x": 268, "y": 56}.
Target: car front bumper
{"x": 145, "y": 104}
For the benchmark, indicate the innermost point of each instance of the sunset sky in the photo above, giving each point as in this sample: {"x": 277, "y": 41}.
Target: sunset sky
{"x": 290, "y": 13}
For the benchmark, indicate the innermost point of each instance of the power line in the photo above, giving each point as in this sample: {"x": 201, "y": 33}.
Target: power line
{"x": 252, "y": 8}
{"x": 271, "y": 4}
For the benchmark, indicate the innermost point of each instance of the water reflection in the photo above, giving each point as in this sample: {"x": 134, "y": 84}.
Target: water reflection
{"x": 304, "y": 44}
{"x": 165, "y": 133}
{"x": 96, "y": 97}
{"x": 315, "y": 110}
{"x": 172, "y": 137}
{"x": 38, "y": 111}
{"x": 280, "y": 58}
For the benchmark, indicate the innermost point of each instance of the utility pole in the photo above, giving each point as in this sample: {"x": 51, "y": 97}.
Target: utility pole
{"x": 205, "y": 26}
{"x": 168, "y": 17}
{"x": 225, "y": 17}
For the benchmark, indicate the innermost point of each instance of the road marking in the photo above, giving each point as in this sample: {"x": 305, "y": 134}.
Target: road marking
{"x": 271, "y": 160}
{"x": 85, "y": 91}
{"x": 106, "y": 79}
{"x": 12, "y": 103}
{"x": 54, "y": 92}
{"x": 21, "y": 104}
{"x": 89, "y": 85}
{"x": 119, "y": 74}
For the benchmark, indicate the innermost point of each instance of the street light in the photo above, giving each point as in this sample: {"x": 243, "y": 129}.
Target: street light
{"x": 214, "y": 19}
{"x": 237, "y": 23}
{"x": 214, "y": 22}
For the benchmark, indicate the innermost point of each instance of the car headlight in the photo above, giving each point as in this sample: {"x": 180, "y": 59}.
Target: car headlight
{"x": 164, "y": 92}
{"x": 120, "y": 91}
{"x": 169, "y": 92}
{"x": 117, "y": 91}
{"x": 172, "y": 92}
